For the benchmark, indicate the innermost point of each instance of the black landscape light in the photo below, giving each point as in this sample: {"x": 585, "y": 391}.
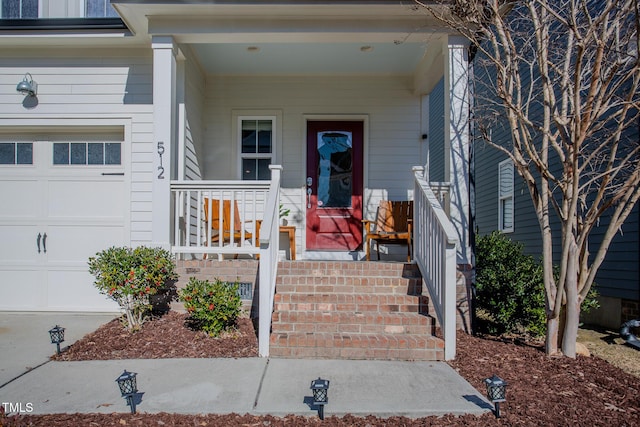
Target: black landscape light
{"x": 320, "y": 390}
{"x": 128, "y": 388}
{"x": 496, "y": 391}
{"x": 57, "y": 336}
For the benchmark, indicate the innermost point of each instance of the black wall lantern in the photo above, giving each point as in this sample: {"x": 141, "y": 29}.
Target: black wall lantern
{"x": 496, "y": 391}
{"x": 320, "y": 390}
{"x": 57, "y": 336}
{"x": 128, "y": 388}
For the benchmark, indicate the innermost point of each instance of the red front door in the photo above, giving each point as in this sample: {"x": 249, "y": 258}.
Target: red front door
{"x": 334, "y": 185}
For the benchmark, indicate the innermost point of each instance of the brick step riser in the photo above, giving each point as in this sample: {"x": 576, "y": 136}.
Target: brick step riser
{"x": 351, "y": 328}
{"x": 347, "y": 268}
{"x": 337, "y": 299}
{"x": 314, "y": 288}
{"x": 373, "y": 318}
{"x": 335, "y": 328}
{"x": 351, "y": 346}
{"x": 353, "y": 308}
{"x": 356, "y": 354}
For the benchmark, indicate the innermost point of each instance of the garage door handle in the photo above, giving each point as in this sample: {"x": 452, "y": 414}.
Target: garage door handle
{"x": 38, "y": 240}
{"x": 44, "y": 242}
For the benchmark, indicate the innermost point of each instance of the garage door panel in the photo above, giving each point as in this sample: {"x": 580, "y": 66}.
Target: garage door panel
{"x": 19, "y": 244}
{"x": 86, "y": 199}
{"x": 22, "y": 289}
{"x": 74, "y": 244}
{"x": 73, "y": 290}
{"x": 20, "y": 198}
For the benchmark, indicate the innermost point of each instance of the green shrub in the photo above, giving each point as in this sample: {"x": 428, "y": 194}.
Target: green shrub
{"x": 213, "y": 306}
{"x": 131, "y": 276}
{"x": 509, "y": 286}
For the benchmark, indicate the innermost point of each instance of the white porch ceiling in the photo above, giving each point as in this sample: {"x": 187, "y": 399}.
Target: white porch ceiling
{"x": 309, "y": 58}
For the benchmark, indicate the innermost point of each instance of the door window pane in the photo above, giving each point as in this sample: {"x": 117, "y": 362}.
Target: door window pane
{"x": 24, "y": 153}
{"x": 83, "y": 153}
{"x": 96, "y": 154}
{"x": 78, "y": 153}
{"x": 60, "y": 153}
{"x": 12, "y": 153}
{"x": 7, "y": 153}
{"x": 112, "y": 154}
{"x": 335, "y": 169}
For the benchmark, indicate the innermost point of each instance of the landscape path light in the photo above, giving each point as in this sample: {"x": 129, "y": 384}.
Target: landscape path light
{"x": 128, "y": 388}
{"x": 496, "y": 391}
{"x": 57, "y": 336}
{"x": 320, "y": 390}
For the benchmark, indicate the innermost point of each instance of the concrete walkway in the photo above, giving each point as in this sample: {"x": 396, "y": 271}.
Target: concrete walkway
{"x": 190, "y": 386}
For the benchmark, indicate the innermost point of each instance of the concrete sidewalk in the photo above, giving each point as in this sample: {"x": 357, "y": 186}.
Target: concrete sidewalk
{"x": 249, "y": 385}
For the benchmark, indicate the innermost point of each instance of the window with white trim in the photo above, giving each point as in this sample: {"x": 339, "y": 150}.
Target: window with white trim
{"x": 16, "y": 153}
{"x": 505, "y": 196}
{"x": 19, "y": 9}
{"x": 99, "y": 9}
{"x": 256, "y": 146}
{"x": 87, "y": 153}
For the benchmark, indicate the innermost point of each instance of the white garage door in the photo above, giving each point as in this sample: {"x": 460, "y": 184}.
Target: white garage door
{"x": 62, "y": 201}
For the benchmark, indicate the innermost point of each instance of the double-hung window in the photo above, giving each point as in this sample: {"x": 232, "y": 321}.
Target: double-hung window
{"x": 19, "y": 9}
{"x": 505, "y": 196}
{"x": 257, "y": 146}
{"x": 99, "y": 9}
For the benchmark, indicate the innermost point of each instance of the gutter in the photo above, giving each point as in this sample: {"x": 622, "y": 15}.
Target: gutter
{"x": 48, "y": 24}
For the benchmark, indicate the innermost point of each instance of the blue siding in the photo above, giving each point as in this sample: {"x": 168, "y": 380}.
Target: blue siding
{"x": 619, "y": 275}
{"x": 436, "y": 133}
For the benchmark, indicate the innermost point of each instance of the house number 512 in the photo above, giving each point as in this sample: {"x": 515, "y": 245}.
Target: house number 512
{"x": 160, "y": 153}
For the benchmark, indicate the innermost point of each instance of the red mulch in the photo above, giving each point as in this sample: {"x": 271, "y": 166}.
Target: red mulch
{"x": 542, "y": 391}
{"x": 164, "y": 337}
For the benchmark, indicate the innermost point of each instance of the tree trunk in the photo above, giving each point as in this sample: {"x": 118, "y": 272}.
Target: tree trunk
{"x": 551, "y": 344}
{"x": 572, "y": 318}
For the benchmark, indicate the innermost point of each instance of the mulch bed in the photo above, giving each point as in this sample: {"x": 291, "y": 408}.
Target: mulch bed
{"x": 542, "y": 391}
{"x": 164, "y": 337}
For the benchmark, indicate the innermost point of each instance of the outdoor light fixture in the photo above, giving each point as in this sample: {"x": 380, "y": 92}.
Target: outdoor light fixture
{"x": 496, "y": 391}
{"x": 57, "y": 336}
{"x": 27, "y": 86}
{"x": 320, "y": 390}
{"x": 128, "y": 388}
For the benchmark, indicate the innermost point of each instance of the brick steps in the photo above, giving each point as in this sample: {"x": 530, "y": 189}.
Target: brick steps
{"x": 352, "y": 310}
{"x": 327, "y": 345}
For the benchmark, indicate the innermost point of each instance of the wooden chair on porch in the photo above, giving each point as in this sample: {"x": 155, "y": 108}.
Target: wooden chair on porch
{"x": 392, "y": 226}
{"x": 221, "y": 229}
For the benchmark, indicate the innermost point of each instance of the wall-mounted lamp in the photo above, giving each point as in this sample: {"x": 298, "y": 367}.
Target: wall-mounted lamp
{"x": 27, "y": 86}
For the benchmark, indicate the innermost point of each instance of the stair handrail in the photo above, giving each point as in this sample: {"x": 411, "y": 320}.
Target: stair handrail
{"x": 434, "y": 250}
{"x": 268, "y": 270}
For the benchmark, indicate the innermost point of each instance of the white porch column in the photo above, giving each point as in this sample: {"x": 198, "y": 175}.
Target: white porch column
{"x": 164, "y": 131}
{"x": 457, "y": 106}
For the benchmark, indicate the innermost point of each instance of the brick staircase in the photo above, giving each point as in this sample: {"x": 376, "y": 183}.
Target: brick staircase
{"x": 352, "y": 310}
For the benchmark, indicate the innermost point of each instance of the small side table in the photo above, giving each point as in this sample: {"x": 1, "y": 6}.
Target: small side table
{"x": 291, "y": 231}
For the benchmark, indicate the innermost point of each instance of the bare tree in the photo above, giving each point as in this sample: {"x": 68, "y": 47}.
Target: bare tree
{"x": 564, "y": 75}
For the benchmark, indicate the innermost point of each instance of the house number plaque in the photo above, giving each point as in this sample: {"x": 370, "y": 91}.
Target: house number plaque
{"x": 160, "y": 153}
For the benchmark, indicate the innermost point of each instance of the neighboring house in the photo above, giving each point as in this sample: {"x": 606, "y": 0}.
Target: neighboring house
{"x": 138, "y": 111}
{"x": 502, "y": 202}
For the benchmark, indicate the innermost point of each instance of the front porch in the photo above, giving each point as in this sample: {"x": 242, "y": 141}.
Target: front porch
{"x": 365, "y": 304}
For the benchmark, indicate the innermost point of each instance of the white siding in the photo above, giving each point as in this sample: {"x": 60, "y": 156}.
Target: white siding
{"x": 194, "y": 101}
{"x": 89, "y": 87}
{"x": 392, "y": 144}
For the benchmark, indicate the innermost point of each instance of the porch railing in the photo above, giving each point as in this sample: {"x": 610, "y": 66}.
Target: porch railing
{"x": 257, "y": 208}
{"x": 434, "y": 245}
{"x": 196, "y": 234}
{"x": 269, "y": 247}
